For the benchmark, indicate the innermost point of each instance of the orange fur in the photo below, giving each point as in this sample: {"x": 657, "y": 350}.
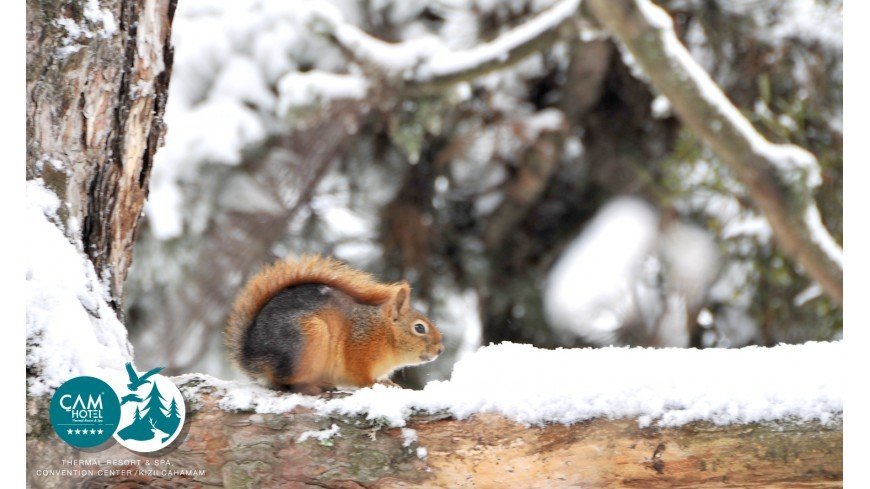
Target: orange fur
{"x": 361, "y": 358}
{"x": 330, "y": 358}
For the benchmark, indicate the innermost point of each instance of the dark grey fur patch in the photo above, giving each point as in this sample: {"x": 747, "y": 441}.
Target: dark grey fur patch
{"x": 274, "y": 338}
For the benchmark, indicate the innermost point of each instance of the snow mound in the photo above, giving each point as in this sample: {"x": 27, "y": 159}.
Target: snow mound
{"x": 669, "y": 387}
{"x": 71, "y": 330}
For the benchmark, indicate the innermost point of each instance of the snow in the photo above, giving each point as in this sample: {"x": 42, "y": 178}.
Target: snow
{"x": 821, "y": 236}
{"x": 806, "y": 20}
{"x": 589, "y": 290}
{"x": 814, "y": 291}
{"x": 457, "y": 324}
{"x": 661, "y": 107}
{"x": 394, "y": 58}
{"x": 446, "y": 62}
{"x": 751, "y": 225}
{"x": 96, "y": 15}
{"x": 543, "y": 121}
{"x": 810, "y": 20}
{"x": 775, "y": 21}
{"x": 215, "y": 132}
{"x": 629, "y": 273}
{"x": 317, "y": 88}
{"x": 321, "y": 435}
{"x": 427, "y": 57}
{"x": 101, "y": 19}
{"x": 240, "y": 80}
{"x": 409, "y": 437}
{"x": 533, "y": 386}
{"x": 71, "y": 330}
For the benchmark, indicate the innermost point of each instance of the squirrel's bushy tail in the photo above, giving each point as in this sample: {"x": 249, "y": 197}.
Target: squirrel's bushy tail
{"x": 307, "y": 269}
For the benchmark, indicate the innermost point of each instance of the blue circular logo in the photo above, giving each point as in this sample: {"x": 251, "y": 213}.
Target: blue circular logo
{"x": 85, "y": 412}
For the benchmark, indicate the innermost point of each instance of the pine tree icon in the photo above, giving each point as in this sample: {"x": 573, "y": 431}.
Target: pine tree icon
{"x": 154, "y": 404}
{"x": 155, "y": 420}
{"x": 173, "y": 411}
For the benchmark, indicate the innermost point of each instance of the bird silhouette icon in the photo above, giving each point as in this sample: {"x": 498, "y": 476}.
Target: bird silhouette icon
{"x": 137, "y": 381}
{"x": 130, "y": 398}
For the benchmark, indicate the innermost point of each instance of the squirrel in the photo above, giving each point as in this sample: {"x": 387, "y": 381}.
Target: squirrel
{"x": 313, "y": 324}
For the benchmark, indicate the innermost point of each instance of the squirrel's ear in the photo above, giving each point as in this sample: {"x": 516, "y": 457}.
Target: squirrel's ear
{"x": 402, "y": 300}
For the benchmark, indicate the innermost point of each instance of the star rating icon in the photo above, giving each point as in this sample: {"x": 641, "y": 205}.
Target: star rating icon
{"x": 78, "y": 431}
{"x": 100, "y": 431}
{"x": 69, "y": 431}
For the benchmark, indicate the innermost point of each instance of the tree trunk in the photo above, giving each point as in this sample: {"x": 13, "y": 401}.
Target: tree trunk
{"x": 97, "y": 79}
{"x": 242, "y": 449}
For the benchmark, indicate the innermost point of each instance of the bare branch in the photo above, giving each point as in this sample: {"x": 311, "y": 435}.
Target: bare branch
{"x": 426, "y": 65}
{"x": 780, "y": 178}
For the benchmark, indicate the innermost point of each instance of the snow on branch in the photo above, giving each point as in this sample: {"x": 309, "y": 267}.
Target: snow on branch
{"x": 426, "y": 63}
{"x": 535, "y": 386}
{"x": 780, "y": 178}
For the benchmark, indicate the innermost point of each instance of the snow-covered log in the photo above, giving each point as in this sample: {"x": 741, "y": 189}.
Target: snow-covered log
{"x": 780, "y": 178}
{"x": 511, "y": 415}
{"x": 244, "y": 449}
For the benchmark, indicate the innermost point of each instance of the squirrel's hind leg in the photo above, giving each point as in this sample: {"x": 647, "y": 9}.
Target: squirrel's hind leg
{"x": 310, "y": 388}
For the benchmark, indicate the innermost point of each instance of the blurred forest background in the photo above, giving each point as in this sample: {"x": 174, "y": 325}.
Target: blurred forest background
{"x": 557, "y": 201}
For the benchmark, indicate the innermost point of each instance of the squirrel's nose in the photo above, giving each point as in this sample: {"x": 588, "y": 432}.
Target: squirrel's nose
{"x": 440, "y": 349}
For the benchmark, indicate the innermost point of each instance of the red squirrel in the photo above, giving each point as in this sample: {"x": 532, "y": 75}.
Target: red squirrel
{"x": 312, "y": 324}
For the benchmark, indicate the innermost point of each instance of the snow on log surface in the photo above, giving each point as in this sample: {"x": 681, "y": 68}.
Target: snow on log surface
{"x": 667, "y": 387}
{"x": 519, "y": 416}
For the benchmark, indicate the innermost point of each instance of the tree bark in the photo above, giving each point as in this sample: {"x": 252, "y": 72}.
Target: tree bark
{"x": 97, "y": 82}
{"x": 244, "y": 449}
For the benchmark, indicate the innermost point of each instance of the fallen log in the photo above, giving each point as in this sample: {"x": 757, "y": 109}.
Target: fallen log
{"x": 304, "y": 448}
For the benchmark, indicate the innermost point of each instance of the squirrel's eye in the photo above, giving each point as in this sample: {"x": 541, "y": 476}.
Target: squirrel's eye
{"x": 420, "y": 328}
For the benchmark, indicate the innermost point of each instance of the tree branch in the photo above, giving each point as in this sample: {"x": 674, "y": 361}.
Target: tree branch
{"x": 426, "y": 66}
{"x": 780, "y": 178}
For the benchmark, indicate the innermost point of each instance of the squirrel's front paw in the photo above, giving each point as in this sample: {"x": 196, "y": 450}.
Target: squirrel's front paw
{"x": 388, "y": 383}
